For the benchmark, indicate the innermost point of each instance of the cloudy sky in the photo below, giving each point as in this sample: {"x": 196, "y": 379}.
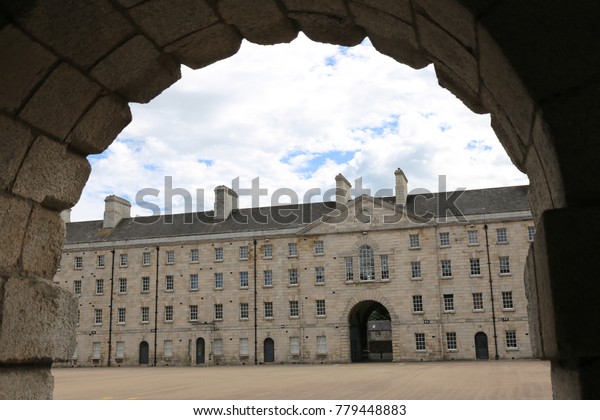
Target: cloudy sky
{"x": 294, "y": 116}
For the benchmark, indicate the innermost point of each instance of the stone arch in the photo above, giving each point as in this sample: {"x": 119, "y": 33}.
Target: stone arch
{"x": 73, "y": 66}
{"x": 368, "y": 295}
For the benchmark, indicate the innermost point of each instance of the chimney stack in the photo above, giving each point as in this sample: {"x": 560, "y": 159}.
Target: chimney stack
{"x": 115, "y": 210}
{"x": 342, "y": 190}
{"x": 226, "y": 200}
{"x": 401, "y": 187}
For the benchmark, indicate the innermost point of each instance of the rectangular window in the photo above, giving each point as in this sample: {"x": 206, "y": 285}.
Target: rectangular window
{"x": 349, "y": 269}
{"x": 451, "y": 341}
{"x": 193, "y": 312}
{"x": 294, "y": 345}
{"x": 321, "y": 307}
{"x": 219, "y": 311}
{"x": 420, "y": 341}
{"x": 194, "y": 255}
{"x": 218, "y": 280}
{"x": 244, "y": 311}
{"x": 99, "y": 286}
{"x": 501, "y": 236}
{"x": 146, "y": 258}
{"x": 268, "y": 251}
{"x": 268, "y": 309}
{"x": 120, "y": 350}
{"x": 319, "y": 248}
{"x": 219, "y": 254}
{"x": 293, "y": 276}
{"x": 170, "y": 257}
{"x": 168, "y": 348}
{"x": 320, "y": 275}
{"x": 475, "y": 265}
{"x": 321, "y": 344}
{"x": 101, "y": 261}
{"x": 511, "y": 339}
{"x": 169, "y": 283}
{"x": 268, "y": 278}
{"x": 78, "y": 263}
{"x": 530, "y": 233}
{"x": 507, "y": 300}
{"x": 98, "y": 316}
{"x": 448, "y": 303}
{"x": 504, "y": 265}
{"x": 145, "y": 314}
{"x": 444, "y": 239}
{"x": 218, "y": 346}
{"x": 385, "y": 269}
{"x": 123, "y": 260}
{"x": 169, "y": 313}
{"x": 77, "y": 287}
{"x": 413, "y": 241}
{"x": 243, "y": 252}
{"x": 473, "y": 238}
{"x": 417, "y": 303}
{"x": 122, "y": 285}
{"x": 446, "y": 268}
{"x": 121, "y": 314}
{"x": 244, "y": 348}
{"x": 96, "y": 350}
{"x": 415, "y": 269}
{"x": 193, "y": 281}
{"x": 244, "y": 279}
{"x": 292, "y": 249}
{"x": 145, "y": 284}
{"x": 294, "y": 308}
{"x": 477, "y": 301}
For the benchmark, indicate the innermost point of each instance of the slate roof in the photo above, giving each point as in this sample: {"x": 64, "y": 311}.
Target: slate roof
{"x": 494, "y": 200}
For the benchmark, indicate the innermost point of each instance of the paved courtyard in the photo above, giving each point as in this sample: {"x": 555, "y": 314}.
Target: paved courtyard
{"x": 477, "y": 380}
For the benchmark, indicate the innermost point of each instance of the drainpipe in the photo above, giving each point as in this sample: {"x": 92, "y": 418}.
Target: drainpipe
{"x": 156, "y": 304}
{"x": 110, "y": 313}
{"x": 255, "y": 311}
{"x": 489, "y": 263}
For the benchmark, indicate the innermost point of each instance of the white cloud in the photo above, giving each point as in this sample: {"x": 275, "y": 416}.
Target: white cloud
{"x": 296, "y": 115}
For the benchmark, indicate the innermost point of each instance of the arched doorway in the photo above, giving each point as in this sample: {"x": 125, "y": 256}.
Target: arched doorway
{"x": 269, "y": 350}
{"x": 370, "y": 332}
{"x": 144, "y": 353}
{"x": 200, "y": 345}
{"x": 481, "y": 346}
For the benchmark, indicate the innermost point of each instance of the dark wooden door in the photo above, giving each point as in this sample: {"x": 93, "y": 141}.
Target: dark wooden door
{"x": 481, "y": 346}
{"x": 269, "y": 350}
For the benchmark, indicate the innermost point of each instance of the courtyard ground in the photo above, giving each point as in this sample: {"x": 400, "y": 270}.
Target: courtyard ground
{"x": 476, "y": 380}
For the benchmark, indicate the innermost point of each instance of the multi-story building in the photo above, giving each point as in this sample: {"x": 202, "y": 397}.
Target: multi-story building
{"x": 300, "y": 283}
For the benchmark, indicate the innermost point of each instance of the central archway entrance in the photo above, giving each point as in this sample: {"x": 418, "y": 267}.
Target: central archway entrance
{"x": 370, "y": 332}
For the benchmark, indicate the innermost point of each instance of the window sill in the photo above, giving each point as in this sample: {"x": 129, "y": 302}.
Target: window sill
{"x": 416, "y": 248}
{"x": 243, "y": 287}
{"x": 320, "y": 284}
{"x": 193, "y": 290}
{"x": 508, "y": 309}
{"x": 194, "y": 262}
{"x": 418, "y": 312}
{"x": 512, "y": 349}
{"x": 145, "y": 292}
{"x": 292, "y": 285}
{"x": 445, "y": 246}
{"x": 294, "y": 317}
{"x": 292, "y": 256}
{"x": 452, "y": 350}
{"x": 477, "y": 244}
{"x": 505, "y": 274}
{"x": 452, "y": 312}
{"x": 319, "y": 255}
{"x": 478, "y": 310}
{"x": 218, "y": 289}
{"x": 446, "y": 277}
{"x": 476, "y": 276}
{"x": 267, "y": 286}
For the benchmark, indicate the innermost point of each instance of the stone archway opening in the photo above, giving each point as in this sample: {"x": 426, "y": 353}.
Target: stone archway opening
{"x": 370, "y": 332}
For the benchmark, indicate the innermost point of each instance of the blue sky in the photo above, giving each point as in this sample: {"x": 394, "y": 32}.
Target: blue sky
{"x": 295, "y": 116}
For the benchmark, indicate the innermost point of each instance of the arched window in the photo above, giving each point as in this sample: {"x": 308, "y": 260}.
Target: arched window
{"x": 367, "y": 263}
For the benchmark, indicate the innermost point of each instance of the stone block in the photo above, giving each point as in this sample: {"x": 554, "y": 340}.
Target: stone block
{"x": 329, "y": 29}
{"x": 14, "y": 215}
{"x": 332, "y": 7}
{"x": 533, "y": 305}
{"x": 540, "y": 197}
{"x": 38, "y": 322}
{"x": 52, "y": 175}
{"x": 137, "y": 70}
{"x": 26, "y": 383}
{"x": 401, "y": 9}
{"x": 207, "y": 46}
{"x": 453, "y": 17}
{"x": 390, "y": 35}
{"x": 505, "y": 90}
{"x": 21, "y": 75}
{"x": 15, "y": 140}
{"x": 100, "y": 125}
{"x": 455, "y": 83}
{"x": 515, "y": 146}
{"x": 59, "y": 102}
{"x": 83, "y": 31}
{"x": 166, "y": 21}
{"x": 260, "y": 21}
{"x": 42, "y": 243}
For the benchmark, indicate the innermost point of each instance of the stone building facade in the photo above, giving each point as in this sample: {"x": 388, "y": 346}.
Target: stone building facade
{"x": 299, "y": 283}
